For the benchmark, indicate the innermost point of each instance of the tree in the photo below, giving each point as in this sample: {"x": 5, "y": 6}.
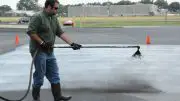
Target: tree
{"x": 161, "y": 4}
{"x": 28, "y": 5}
{"x": 65, "y": 10}
{"x": 174, "y": 6}
{"x": 5, "y": 8}
{"x": 124, "y": 2}
{"x": 107, "y": 3}
{"x": 147, "y": 1}
{"x": 62, "y": 10}
{"x": 95, "y": 3}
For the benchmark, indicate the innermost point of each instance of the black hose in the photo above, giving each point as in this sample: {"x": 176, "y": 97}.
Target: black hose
{"x": 30, "y": 80}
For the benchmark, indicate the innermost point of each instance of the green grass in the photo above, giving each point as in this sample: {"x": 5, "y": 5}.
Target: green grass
{"x": 130, "y": 23}
{"x": 125, "y": 21}
{"x": 115, "y": 21}
{"x": 9, "y": 19}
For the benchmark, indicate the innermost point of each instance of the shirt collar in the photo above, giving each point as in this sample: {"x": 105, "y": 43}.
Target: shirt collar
{"x": 46, "y": 13}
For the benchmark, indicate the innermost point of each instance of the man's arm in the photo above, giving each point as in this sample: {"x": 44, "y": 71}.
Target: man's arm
{"x": 32, "y": 29}
{"x": 60, "y": 33}
{"x": 66, "y": 39}
{"x": 36, "y": 38}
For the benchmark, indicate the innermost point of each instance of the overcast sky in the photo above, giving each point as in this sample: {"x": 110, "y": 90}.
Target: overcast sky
{"x": 13, "y": 3}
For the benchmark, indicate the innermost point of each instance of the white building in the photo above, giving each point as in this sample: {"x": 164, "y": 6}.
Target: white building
{"x": 19, "y": 13}
{"x": 114, "y": 10}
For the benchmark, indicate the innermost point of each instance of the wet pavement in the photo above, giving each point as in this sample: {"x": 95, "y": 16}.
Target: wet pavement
{"x": 101, "y": 70}
{"x": 103, "y": 74}
{"x": 111, "y": 69}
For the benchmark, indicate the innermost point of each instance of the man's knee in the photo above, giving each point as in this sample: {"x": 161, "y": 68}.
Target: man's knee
{"x": 38, "y": 81}
{"x": 54, "y": 79}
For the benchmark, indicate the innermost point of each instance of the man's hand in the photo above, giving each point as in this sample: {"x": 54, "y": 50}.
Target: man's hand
{"x": 46, "y": 45}
{"x": 76, "y": 46}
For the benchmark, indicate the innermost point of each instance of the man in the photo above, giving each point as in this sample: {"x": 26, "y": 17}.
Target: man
{"x": 42, "y": 29}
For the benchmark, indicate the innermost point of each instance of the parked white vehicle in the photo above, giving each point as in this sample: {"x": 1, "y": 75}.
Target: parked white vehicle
{"x": 24, "y": 20}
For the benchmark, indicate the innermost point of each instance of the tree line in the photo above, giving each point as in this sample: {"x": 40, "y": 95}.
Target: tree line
{"x": 33, "y": 5}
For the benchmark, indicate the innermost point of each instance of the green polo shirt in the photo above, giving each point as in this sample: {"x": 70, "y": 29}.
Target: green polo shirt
{"x": 45, "y": 26}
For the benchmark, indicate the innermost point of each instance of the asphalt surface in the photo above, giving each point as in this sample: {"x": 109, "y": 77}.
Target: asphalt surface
{"x": 129, "y": 35}
{"x": 134, "y": 36}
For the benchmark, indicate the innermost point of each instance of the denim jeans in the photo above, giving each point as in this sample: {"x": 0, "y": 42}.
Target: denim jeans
{"x": 45, "y": 65}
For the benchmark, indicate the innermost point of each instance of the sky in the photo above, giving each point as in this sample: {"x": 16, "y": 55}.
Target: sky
{"x": 13, "y": 3}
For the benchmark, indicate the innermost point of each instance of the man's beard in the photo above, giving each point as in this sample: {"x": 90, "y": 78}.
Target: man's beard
{"x": 51, "y": 14}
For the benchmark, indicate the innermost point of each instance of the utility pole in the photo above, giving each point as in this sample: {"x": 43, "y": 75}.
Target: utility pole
{"x": 108, "y": 9}
{"x": 166, "y": 12}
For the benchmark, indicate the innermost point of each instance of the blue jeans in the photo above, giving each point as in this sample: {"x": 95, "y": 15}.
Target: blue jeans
{"x": 45, "y": 65}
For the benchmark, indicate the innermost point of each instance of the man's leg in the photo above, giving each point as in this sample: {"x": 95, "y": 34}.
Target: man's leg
{"x": 38, "y": 75}
{"x": 36, "y": 93}
{"x": 52, "y": 75}
{"x": 56, "y": 91}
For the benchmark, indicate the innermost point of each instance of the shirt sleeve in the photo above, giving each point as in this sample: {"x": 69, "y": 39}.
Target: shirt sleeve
{"x": 59, "y": 30}
{"x": 33, "y": 25}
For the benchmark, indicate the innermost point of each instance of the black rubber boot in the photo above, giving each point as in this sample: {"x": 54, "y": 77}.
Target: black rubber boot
{"x": 36, "y": 94}
{"x": 56, "y": 91}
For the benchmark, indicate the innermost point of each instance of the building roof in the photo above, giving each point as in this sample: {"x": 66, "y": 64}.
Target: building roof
{"x": 29, "y": 13}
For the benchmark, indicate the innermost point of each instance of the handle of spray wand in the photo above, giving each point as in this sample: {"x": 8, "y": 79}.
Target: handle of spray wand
{"x": 136, "y": 54}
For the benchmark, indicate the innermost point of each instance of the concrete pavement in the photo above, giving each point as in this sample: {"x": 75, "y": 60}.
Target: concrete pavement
{"x": 159, "y": 65}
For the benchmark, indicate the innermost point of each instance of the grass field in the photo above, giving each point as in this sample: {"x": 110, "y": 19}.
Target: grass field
{"x": 115, "y": 21}
{"x": 125, "y": 21}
